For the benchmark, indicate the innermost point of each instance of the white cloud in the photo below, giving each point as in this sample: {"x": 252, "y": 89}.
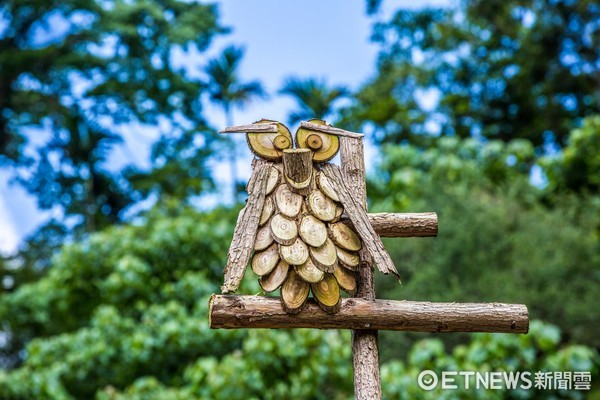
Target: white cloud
{"x": 9, "y": 240}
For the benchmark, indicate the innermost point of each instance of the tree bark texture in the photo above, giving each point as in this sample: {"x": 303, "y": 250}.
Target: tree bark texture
{"x": 365, "y": 347}
{"x": 332, "y": 130}
{"x": 298, "y": 168}
{"x": 354, "y": 208}
{"x": 361, "y": 315}
{"x": 395, "y": 225}
{"x": 256, "y": 128}
{"x": 246, "y": 227}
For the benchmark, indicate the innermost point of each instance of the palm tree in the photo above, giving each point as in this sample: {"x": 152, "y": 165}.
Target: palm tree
{"x": 314, "y": 97}
{"x": 226, "y": 90}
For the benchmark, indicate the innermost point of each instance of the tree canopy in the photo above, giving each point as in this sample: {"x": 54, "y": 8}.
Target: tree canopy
{"x": 492, "y": 69}
{"x": 80, "y": 70}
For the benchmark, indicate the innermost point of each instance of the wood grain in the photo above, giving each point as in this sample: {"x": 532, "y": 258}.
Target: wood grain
{"x": 332, "y": 130}
{"x": 246, "y": 227}
{"x": 233, "y": 312}
{"x": 359, "y": 218}
{"x": 365, "y": 347}
{"x": 396, "y": 225}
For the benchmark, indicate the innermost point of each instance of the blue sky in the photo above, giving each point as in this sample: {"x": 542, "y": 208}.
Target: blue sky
{"x": 322, "y": 38}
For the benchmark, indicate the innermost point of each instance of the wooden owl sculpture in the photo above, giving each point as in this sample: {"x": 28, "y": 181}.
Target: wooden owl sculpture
{"x": 299, "y": 228}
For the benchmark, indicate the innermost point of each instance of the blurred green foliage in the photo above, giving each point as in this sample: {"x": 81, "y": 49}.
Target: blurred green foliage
{"x": 498, "y": 238}
{"x": 512, "y": 169}
{"x": 123, "y": 315}
{"x": 537, "y": 351}
{"x": 576, "y": 167}
{"x": 74, "y": 75}
{"x": 500, "y": 69}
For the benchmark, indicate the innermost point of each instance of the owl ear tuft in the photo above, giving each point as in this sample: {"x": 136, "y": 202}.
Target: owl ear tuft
{"x": 324, "y": 145}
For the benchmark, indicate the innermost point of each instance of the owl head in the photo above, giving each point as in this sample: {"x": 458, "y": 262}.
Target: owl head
{"x": 269, "y": 139}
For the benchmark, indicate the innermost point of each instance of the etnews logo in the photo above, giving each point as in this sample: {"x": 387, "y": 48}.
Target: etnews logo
{"x": 500, "y": 380}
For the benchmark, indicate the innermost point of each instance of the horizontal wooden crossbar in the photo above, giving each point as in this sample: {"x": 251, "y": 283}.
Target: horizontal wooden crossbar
{"x": 395, "y": 225}
{"x": 232, "y": 312}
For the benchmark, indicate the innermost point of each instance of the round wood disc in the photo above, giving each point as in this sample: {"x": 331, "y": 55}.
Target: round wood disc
{"x": 344, "y": 237}
{"x": 321, "y": 206}
{"x": 274, "y": 279}
{"x": 327, "y": 294}
{"x": 288, "y": 203}
{"x": 326, "y": 150}
{"x": 309, "y": 272}
{"x": 339, "y": 210}
{"x": 312, "y": 231}
{"x": 324, "y": 257}
{"x": 347, "y": 259}
{"x": 270, "y": 146}
{"x": 294, "y": 254}
{"x": 345, "y": 278}
{"x": 273, "y": 179}
{"x": 294, "y": 293}
{"x": 263, "y": 238}
{"x": 283, "y": 230}
{"x": 267, "y": 211}
{"x": 324, "y": 185}
{"x": 264, "y": 261}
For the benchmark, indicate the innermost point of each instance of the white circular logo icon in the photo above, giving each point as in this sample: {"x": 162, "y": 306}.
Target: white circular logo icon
{"x": 427, "y": 380}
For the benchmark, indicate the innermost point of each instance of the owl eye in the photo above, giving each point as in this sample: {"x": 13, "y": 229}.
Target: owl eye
{"x": 323, "y": 145}
{"x": 270, "y": 146}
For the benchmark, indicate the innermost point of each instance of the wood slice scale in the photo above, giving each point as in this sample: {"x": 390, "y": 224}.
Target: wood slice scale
{"x": 274, "y": 279}
{"x": 325, "y": 186}
{"x": 347, "y": 259}
{"x": 339, "y": 211}
{"x": 312, "y": 231}
{"x": 296, "y": 253}
{"x": 288, "y": 203}
{"x": 264, "y": 261}
{"x": 272, "y": 180}
{"x": 346, "y": 279}
{"x": 267, "y": 211}
{"x": 327, "y": 294}
{"x": 324, "y": 257}
{"x": 309, "y": 272}
{"x": 283, "y": 229}
{"x": 294, "y": 293}
{"x": 263, "y": 238}
{"x": 344, "y": 237}
{"x": 321, "y": 206}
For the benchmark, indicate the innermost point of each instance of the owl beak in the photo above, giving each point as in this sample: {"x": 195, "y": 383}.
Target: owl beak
{"x": 252, "y": 128}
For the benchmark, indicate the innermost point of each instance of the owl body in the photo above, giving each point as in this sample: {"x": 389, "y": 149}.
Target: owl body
{"x": 293, "y": 230}
{"x": 298, "y": 241}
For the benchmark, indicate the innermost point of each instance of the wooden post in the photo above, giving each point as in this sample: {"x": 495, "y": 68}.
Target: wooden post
{"x": 365, "y": 348}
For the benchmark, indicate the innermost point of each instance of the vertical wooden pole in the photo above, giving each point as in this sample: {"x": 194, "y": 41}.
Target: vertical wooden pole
{"x": 365, "y": 348}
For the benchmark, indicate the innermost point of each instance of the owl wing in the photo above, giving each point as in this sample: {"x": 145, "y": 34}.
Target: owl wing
{"x": 244, "y": 235}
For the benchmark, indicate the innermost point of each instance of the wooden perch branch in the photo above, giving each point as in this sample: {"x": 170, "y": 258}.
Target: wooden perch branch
{"x": 330, "y": 129}
{"x": 232, "y": 312}
{"x": 395, "y": 225}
